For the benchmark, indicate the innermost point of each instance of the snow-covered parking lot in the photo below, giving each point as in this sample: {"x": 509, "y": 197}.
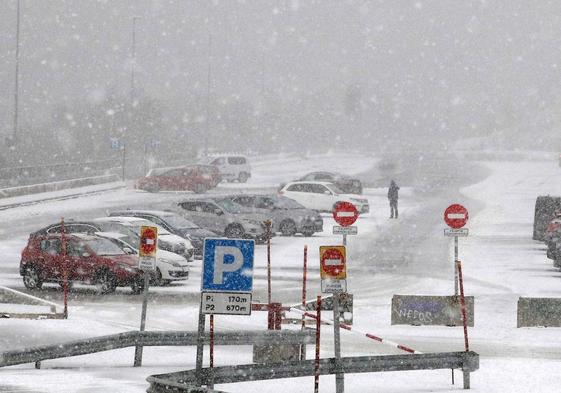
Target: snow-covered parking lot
{"x": 501, "y": 262}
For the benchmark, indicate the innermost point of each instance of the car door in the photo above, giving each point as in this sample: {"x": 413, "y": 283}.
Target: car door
{"x": 193, "y": 212}
{"x": 213, "y": 217}
{"x": 298, "y": 193}
{"x": 49, "y": 260}
{"x": 323, "y": 196}
{"x": 81, "y": 264}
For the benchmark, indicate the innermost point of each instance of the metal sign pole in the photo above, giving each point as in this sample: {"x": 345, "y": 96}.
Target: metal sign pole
{"x": 211, "y": 347}
{"x": 200, "y": 345}
{"x": 318, "y": 341}
{"x": 455, "y": 266}
{"x": 339, "y": 376}
{"x": 138, "y": 350}
{"x": 345, "y": 239}
{"x": 304, "y": 279}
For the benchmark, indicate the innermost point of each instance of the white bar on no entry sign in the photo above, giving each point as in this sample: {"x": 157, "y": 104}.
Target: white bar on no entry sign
{"x": 456, "y": 216}
{"x": 332, "y": 262}
{"x": 345, "y": 214}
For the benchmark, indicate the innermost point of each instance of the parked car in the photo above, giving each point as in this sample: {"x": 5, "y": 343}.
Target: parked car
{"x": 321, "y": 196}
{"x": 225, "y": 217}
{"x": 232, "y": 167}
{"x": 87, "y": 258}
{"x": 169, "y": 266}
{"x": 197, "y": 178}
{"x": 174, "y": 223}
{"x": 167, "y": 241}
{"x": 174, "y": 244}
{"x": 552, "y": 237}
{"x": 288, "y": 216}
{"x": 345, "y": 183}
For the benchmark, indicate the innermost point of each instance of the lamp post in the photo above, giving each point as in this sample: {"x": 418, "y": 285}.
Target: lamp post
{"x": 208, "y": 91}
{"x": 16, "y": 87}
{"x": 132, "y": 92}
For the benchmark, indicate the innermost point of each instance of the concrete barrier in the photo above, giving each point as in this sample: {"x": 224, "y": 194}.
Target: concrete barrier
{"x": 544, "y": 212}
{"x": 56, "y": 186}
{"x": 544, "y": 312}
{"x": 430, "y": 310}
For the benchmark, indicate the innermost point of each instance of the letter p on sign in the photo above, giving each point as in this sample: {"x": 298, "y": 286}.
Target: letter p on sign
{"x": 228, "y": 265}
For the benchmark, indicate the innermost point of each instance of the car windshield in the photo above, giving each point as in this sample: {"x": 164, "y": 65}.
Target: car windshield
{"x": 232, "y": 207}
{"x": 177, "y": 221}
{"x": 104, "y": 247}
{"x": 286, "y": 203}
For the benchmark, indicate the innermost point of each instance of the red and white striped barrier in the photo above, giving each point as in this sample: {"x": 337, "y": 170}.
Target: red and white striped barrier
{"x": 357, "y": 331}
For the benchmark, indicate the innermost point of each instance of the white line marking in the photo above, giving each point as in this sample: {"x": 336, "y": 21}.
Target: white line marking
{"x": 332, "y": 262}
{"x": 345, "y": 214}
{"x": 456, "y": 216}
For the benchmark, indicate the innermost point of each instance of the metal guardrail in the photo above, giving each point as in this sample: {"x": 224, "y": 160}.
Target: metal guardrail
{"x": 184, "y": 381}
{"x": 28, "y": 175}
{"x": 149, "y": 338}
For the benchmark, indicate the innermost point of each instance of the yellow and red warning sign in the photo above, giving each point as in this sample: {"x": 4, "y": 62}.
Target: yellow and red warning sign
{"x": 333, "y": 262}
{"x": 148, "y": 242}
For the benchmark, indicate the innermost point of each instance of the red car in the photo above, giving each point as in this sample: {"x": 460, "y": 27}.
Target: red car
{"x": 89, "y": 259}
{"x": 197, "y": 178}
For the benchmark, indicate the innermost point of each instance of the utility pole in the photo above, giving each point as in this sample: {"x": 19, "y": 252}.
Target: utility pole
{"x": 132, "y": 94}
{"x": 208, "y": 89}
{"x": 133, "y": 57}
{"x": 16, "y": 87}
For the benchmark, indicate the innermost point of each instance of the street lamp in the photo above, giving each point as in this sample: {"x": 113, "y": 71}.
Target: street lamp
{"x": 132, "y": 95}
{"x": 16, "y": 87}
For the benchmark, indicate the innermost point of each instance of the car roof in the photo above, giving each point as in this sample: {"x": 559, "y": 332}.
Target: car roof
{"x": 323, "y": 183}
{"x": 159, "y": 213}
{"x": 112, "y": 235}
{"x": 120, "y": 219}
{"x": 82, "y": 236}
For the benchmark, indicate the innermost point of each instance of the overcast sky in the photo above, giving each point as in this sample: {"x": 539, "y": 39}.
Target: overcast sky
{"x": 424, "y": 67}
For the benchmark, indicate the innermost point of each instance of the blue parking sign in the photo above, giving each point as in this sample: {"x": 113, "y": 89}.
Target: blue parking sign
{"x": 228, "y": 265}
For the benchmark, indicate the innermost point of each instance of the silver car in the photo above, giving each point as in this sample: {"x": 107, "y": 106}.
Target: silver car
{"x": 225, "y": 217}
{"x": 288, "y": 216}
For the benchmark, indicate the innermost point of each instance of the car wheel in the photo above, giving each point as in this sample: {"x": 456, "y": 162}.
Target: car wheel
{"x": 308, "y": 233}
{"x": 32, "y": 278}
{"x": 105, "y": 282}
{"x": 200, "y": 188}
{"x": 137, "y": 285}
{"x": 242, "y": 178}
{"x": 158, "y": 280}
{"x": 234, "y": 231}
{"x": 288, "y": 228}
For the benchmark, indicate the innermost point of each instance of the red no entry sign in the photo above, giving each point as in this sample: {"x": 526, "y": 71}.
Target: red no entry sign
{"x": 456, "y": 216}
{"x": 332, "y": 262}
{"x": 148, "y": 241}
{"x": 345, "y": 213}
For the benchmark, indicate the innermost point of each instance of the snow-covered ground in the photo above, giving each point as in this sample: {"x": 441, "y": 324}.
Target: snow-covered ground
{"x": 501, "y": 262}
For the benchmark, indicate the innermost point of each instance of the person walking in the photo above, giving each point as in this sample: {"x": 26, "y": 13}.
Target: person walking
{"x": 393, "y": 196}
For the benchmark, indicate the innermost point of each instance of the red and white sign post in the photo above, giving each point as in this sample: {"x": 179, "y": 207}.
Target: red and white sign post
{"x": 333, "y": 273}
{"x": 456, "y": 217}
{"x": 345, "y": 214}
{"x": 147, "y": 249}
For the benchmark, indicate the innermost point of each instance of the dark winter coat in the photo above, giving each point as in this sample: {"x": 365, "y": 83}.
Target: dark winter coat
{"x": 393, "y": 191}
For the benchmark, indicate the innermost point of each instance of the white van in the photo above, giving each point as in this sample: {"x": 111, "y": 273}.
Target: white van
{"x": 232, "y": 167}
